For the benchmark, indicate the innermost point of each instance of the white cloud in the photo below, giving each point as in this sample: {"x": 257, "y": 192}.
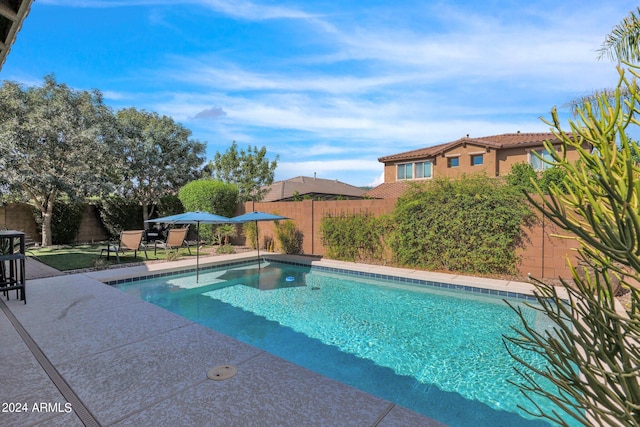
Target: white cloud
{"x": 236, "y": 8}
{"x": 115, "y": 95}
{"x": 379, "y": 180}
{"x": 254, "y": 10}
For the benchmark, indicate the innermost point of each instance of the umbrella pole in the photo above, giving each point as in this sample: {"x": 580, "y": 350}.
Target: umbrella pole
{"x": 197, "y": 252}
{"x": 258, "y": 244}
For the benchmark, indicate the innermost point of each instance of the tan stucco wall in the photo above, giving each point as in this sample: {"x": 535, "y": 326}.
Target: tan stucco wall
{"x": 509, "y": 157}
{"x": 464, "y": 153}
{"x": 496, "y": 162}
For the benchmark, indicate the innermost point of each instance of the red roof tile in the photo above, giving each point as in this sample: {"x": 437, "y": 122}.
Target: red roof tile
{"x": 388, "y": 190}
{"x": 496, "y": 141}
{"x": 304, "y": 185}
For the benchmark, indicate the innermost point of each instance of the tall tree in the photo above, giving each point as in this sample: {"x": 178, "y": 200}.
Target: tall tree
{"x": 54, "y": 140}
{"x": 250, "y": 170}
{"x": 159, "y": 157}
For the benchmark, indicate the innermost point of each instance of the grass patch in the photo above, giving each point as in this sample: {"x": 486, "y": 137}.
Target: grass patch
{"x": 76, "y": 257}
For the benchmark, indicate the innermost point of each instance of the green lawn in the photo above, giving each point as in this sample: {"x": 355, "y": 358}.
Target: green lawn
{"x": 65, "y": 258}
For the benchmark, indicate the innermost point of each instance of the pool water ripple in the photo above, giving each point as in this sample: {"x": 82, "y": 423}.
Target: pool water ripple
{"x": 439, "y": 341}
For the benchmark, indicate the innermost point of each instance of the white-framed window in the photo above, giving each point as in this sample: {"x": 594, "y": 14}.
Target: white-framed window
{"x": 404, "y": 171}
{"x": 418, "y": 170}
{"x": 537, "y": 163}
{"x": 423, "y": 169}
{"x": 477, "y": 159}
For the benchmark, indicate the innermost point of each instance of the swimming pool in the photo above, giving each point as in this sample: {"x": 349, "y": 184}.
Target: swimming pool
{"x": 431, "y": 349}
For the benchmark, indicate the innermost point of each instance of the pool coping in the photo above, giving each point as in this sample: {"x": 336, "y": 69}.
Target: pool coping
{"x": 473, "y": 284}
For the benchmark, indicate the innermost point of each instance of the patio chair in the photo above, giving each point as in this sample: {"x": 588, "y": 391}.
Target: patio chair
{"x": 176, "y": 238}
{"x": 129, "y": 241}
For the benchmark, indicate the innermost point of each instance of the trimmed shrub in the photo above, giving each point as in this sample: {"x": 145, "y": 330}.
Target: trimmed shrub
{"x": 225, "y": 249}
{"x": 209, "y": 195}
{"x": 357, "y": 237}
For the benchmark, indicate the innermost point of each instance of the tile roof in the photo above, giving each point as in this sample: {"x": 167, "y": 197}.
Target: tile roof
{"x": 497, "y": 141}
{"x": 304, "y": 185}
{"x": 388, "y": 190}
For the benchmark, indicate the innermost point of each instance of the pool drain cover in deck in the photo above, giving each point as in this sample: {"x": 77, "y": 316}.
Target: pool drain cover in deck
{"x": 220, "y": 373}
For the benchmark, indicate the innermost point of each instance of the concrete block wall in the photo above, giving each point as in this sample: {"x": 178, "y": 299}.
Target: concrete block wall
{"x": 308, "y": 214}
{"x": 91, "y": 228}
{"x": 544, "y": 256}
{"x": 19, "y": 216}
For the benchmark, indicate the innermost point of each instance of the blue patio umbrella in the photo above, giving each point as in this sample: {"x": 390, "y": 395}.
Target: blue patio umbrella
{"x": 256, "y": 216}
{"x": 197, "y": 218}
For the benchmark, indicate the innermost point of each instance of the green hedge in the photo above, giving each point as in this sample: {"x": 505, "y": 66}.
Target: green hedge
{"x": 472, "y": 224}
{"x": 522, "y": 176}
{"x": 358, "y": 237}
{"x": 212, "y": 196}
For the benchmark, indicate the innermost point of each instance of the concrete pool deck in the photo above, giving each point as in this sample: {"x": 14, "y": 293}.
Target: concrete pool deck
{"x": 83, "y": 353}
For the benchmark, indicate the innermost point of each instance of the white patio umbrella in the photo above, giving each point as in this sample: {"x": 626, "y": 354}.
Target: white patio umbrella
{"x": 257, "y": 216}
{"x": 197, "y": 218}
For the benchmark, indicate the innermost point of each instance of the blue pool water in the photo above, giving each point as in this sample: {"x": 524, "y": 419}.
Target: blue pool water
{"x": 436, "y": 351}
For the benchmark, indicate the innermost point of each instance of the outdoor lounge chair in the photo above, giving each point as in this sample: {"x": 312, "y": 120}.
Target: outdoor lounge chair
{"x": 129, "y": 241}
{"x": 176, "y": 238}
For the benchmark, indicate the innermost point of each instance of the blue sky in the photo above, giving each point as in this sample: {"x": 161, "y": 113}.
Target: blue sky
{"x": 329, "y": 86}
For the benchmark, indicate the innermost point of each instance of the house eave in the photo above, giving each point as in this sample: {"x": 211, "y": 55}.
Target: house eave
{"x": 12, "y": 18}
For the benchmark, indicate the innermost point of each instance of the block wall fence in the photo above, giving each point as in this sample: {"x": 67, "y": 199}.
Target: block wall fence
{"x": 543, "y": 254}
{"x": 19, "y": 216}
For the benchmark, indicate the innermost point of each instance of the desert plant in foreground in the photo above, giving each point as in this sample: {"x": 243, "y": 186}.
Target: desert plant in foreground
{"x": 593, "y": 350}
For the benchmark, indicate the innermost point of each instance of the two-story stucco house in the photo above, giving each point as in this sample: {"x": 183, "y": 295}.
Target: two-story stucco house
{"x": 492, "y": 155}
